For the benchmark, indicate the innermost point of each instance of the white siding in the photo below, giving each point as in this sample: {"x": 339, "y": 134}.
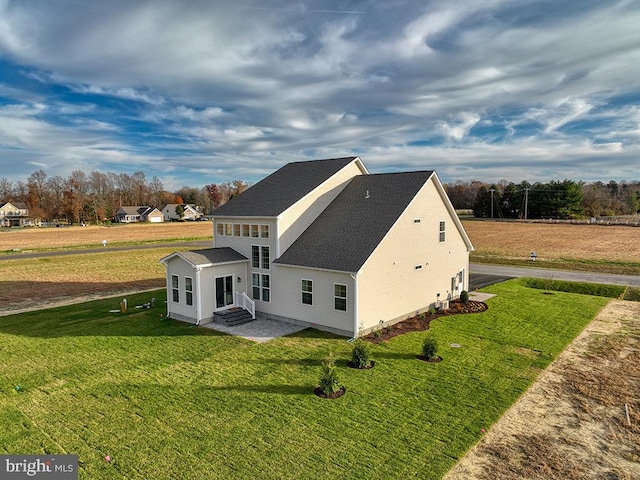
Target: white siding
{"x": 286, "y": 298}
{"x": 390, "y": 286}
{"x": 204, "y": 298}
{"x": 243, "y": 244}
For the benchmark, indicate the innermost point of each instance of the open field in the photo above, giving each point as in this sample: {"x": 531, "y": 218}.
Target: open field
{"x": 598, "y": 248}
{"x": 92, "y": 236}
{"x": 167, "y": 400}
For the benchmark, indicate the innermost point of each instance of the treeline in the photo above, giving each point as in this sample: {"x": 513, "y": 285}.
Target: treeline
{"x": 96, "y": 197}
{"x": 554, "y": 199}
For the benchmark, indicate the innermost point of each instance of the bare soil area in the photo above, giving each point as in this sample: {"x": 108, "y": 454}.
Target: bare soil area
{"x": 580, "y": 420}
{"x": 556, "y": 241}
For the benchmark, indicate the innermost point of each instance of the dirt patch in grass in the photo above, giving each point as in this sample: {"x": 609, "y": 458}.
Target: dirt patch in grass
{"x": 580, "y": 420}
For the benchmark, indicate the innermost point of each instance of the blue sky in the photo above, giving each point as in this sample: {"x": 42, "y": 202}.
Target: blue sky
{"x": 200, "y": 92}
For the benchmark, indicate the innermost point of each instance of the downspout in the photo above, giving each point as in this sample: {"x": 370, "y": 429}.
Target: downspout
{"x": 199, "y": 298}
{"x": 355, "y": 306}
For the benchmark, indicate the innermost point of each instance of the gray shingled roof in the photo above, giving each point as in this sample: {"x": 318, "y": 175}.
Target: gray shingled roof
{"x": 209, "y": 256}
{"x": 274, "y": 194}
{"x": 347, "y": 232}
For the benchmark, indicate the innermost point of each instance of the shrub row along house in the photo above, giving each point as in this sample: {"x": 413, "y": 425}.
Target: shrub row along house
{"x": 325, "y": 243}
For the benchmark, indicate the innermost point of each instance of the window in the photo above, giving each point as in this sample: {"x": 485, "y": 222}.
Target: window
{"x": 442, "y": 231}
{"x": 174, "y": 288}
{"x": 245, "y": 230}
{"x": 227, "y": 229}
{"x": 265, "y": 288}
{"x": 255, "y": 256}
{"x": 236, "y": 229}
{"x": 340, "y": 297}
{"x": 260, "y": 257}
{"x": 220, "y": 228}
{"x": 264, "y": 231}
{"x": 261, "y": 287}
{"x": 188, "y": 287}
{"x": 255, "y": 283}
{"x": 307, "y": 292}
{"x": 254, "y": 231}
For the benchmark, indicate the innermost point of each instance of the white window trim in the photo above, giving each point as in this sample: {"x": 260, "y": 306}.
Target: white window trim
{"x": 175, "y": 289}
{"x": 346, "y": 297}
{"x": 187, "y": 292}
{"x": 304, "y": 291}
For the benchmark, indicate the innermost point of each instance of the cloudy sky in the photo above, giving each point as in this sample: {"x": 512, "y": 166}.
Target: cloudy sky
{"x": 199, "y": 92}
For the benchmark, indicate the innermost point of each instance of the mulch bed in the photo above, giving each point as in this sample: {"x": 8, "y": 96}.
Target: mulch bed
{"x": 350, "y": 364}
{"x": 435, "y": 359}
{"x": 318, "y": 391}
{"x": 421, "y": 322}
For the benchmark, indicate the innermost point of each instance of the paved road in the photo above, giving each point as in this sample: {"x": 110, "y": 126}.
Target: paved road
{"x": 59, "y": 253}
{"x": 482, "y": 274}
{"x": 510, "y": 272}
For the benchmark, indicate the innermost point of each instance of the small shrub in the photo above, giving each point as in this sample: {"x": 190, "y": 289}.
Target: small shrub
{"x": 361, "y": 354}
{"x": 329, "y": 377}
{"x": 464, "y": 296}
{"x": 429, "y": 347}
{"x": 377, "y": 333}
{"x": 432, "y": 310}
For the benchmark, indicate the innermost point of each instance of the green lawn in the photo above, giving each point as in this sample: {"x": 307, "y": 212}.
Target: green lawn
{"x": 167, "y": 400}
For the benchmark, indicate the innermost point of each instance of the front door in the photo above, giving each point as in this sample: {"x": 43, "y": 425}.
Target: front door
{"x": 224, "y": 291}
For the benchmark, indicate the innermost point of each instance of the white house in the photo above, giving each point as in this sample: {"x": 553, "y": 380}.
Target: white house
{"x": 16, "y": 214}
{"x": 189, "y": 212}
{"x": 132, "y": 214}
{"x": 326, "y": 244}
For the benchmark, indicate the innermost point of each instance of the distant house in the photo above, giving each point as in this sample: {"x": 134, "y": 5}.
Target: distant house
{"x": 326, "y": 244}
{"x": 132, "y": 214}
{"x": 16, "y": 214}
{"x": 189, "y": 212}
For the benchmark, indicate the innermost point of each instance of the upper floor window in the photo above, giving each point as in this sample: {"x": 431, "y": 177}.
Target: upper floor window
{"x": 228, "y": 229}
{"x": 442, "y": 226}
{"x": 236, "y": 229}
{"x": 264, "y": 231}
{"x": 245, "y": 230}
{"x": 260, "y": 257}
{"x": 255, "y": 232}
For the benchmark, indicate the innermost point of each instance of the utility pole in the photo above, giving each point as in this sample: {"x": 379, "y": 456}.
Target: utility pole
{"x": 526, "y": 201}
{"x": 492, "y": 190}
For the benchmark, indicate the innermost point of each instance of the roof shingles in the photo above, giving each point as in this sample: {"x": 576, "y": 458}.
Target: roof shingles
{"x": 282, "y": 188}
{"x": 347, "y": 232}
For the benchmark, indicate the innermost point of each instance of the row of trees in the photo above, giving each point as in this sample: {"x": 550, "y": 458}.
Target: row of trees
{"x": 554, "y": 199}
{"x": 96, "y": 197}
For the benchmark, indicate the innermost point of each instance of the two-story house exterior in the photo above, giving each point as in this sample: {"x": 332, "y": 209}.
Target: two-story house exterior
{"x": 327, "y": 244}
{"x": 16, "y": 214}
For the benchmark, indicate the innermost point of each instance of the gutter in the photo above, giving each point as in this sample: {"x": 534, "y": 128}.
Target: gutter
{"x": 355, "y": 306}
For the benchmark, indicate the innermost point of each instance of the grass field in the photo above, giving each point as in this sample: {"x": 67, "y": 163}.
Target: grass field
{"x": 41, "y": 239}
{"x": 167, "y": 400}
{"x": 597, "y": 248}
